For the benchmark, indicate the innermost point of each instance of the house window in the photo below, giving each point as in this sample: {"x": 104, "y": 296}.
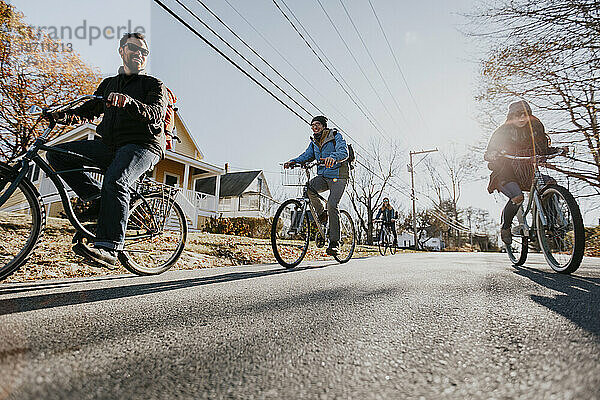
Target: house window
{"x": 260, "y": 184}
{"x": 174, "y": 142}
{"x": 171, "y": 179}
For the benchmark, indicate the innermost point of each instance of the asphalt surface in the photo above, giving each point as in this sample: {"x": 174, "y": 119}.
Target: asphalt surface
{"x": 430, "y": 326}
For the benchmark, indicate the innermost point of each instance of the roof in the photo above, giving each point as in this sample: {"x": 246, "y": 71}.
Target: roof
{"x": 232, "y": 183}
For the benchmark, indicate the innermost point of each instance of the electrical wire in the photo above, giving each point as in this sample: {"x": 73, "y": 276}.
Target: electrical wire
{"x": 361, "y": 69}
{"x": 399, "y": 68}
{"x": 372, "y": 60}
{"x": 242, "y": 56}
{"x": 188, "y": 26}
{"x": 355, "y": 101}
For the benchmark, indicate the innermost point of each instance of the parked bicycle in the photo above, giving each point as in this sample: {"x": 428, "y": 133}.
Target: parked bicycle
{"x": 156, "y": 228}
{"x": 552, "y": 219}
{"x": 385, "y": 238}
{"x": 294, "y": 225}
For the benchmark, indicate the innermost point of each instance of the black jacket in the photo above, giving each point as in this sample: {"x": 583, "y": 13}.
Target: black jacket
{"x": 388, "y": 215}
{"x": 140, "y": 122}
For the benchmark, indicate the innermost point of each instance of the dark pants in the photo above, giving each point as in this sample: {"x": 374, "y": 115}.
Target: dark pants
{"x": 122, "y": 168}
{"x": 392, "y": 226}
{"x": 336, "y": 190}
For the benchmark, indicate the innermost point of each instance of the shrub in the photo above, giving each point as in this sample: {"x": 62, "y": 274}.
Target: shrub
{"x": 240, "y": 226}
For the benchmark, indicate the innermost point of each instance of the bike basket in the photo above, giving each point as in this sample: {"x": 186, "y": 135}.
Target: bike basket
{"x": 293, "y": 177}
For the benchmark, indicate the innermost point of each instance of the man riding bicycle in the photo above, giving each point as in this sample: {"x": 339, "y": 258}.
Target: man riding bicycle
{"x": 329, "y": 146}
{"x": 133, "y": 141}
{"x": 389, "y": 215}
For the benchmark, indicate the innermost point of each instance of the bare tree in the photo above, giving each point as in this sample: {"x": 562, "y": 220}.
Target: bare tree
{"x": 369, "y": 181}
{"x": 447, "y": 179}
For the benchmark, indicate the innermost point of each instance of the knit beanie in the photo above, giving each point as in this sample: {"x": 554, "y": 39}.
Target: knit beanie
{"x": 321, "y": 119}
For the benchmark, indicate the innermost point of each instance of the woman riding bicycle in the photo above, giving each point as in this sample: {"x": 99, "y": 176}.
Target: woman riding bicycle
{"x": 522, "y": 134}
{"x": 389, "y": 215}
{"x": 329, "y": 146}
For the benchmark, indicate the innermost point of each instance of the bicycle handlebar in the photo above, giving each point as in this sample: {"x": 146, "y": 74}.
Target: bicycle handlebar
{"x": 308, "y": 164}
{"x": 36, "y": 110}
{"x": 536, "y": 156}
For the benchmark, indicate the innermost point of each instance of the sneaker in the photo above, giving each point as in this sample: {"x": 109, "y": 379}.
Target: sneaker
{"x": 506, "y": 236}
{"x": 323, "y": 217}
{"x": 106, "y": 258}
{"x": 332, "y": 249}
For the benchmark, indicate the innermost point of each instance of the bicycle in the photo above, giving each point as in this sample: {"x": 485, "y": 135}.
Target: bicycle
{"x": 385, "y": 238}
{"x": 156, "y": 227}
{"x": 292, "y": 229}
{"x": 554, "y": 219}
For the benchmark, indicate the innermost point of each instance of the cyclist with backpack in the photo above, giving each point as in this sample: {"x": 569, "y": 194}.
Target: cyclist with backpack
{"x": 134, "y": 106}
{"x": 522, "y": 134}
{"x": 329, "y": 146}
{"x": 389, "y": 215}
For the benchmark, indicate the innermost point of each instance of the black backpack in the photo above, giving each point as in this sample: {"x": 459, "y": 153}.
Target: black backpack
{"x": 351, "y": 156}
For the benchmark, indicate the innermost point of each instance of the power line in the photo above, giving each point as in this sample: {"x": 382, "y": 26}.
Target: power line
{"x": 323, "y": 62}
{"x": 184, "y": 23}
{"x": 373, "y": 60}
{"x": 258, "y": 55}
{"x": 364, "y": 74}
{"x": 241, "y": 55}
{"x": 398, "y": 65}
{"x": 286, "y": 60}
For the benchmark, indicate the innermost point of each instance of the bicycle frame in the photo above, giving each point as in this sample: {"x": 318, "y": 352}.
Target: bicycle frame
{"x": 534, "y": 205}
{"x": 306, "y": 201}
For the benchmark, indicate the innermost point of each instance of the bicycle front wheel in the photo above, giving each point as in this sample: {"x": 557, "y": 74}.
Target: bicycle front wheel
{"x": 290, "y": 234}
{"x": 22, "y": 220}
{"x": 381, "y": 242}
{"x": 517, "y": 250}
{"x": 155, "y": 236}
{"x": 347, "y": 238}
{"x": 562, "y": 240}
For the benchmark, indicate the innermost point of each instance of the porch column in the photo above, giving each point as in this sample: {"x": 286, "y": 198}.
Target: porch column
{"x": 186, "y": 176}
{"x": 217, "y": 192}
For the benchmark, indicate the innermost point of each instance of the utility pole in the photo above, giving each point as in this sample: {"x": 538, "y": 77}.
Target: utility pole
{"x": 412, "y": 184}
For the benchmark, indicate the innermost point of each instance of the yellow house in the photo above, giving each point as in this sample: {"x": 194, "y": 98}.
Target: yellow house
{"x": 182, "y": 166}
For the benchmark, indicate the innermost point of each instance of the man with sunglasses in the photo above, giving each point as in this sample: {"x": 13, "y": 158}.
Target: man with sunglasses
{"x": 329, "y": 146}
{"x": 133, "y": 106}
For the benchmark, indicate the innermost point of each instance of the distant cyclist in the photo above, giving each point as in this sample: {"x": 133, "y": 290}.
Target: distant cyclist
{"x": 329, "y": 146}
{"x": 133, "y": 141}
{"x": 521, "y": 134}
{"x": 388, "y": 216}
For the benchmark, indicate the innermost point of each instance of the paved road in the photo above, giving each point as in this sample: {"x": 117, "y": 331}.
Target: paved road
{"x": 408, "y": 326}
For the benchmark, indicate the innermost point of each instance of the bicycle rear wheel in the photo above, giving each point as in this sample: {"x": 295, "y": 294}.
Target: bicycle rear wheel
{"x": 391, "y": 243}
{"x": 22, "y": 221}
{"x": 347, "y": 241}
{"x": 155, "y": 236}
{"x": 289, "y": 234}
{"x": 563, "y": 239}
{"x": 518, "y": 249}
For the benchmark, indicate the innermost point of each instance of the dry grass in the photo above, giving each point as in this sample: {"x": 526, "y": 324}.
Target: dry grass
{"x": 54, "y": 258}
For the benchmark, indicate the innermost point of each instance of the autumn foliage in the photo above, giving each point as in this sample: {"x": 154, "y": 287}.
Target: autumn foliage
{"x": 34, "y": 70}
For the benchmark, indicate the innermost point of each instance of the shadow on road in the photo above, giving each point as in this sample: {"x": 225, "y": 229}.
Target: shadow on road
{"x": 579, "y": 298}
{"x": 43, "y": 301}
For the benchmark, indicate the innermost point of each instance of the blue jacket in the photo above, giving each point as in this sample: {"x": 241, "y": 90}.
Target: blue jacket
{"x": 333, "y": 146}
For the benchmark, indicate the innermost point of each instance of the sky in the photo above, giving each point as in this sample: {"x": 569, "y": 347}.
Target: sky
{"x": 237, "y": 122}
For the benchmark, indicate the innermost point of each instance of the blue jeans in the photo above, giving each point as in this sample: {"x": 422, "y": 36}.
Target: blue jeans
{"x": 122, "y": 168}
